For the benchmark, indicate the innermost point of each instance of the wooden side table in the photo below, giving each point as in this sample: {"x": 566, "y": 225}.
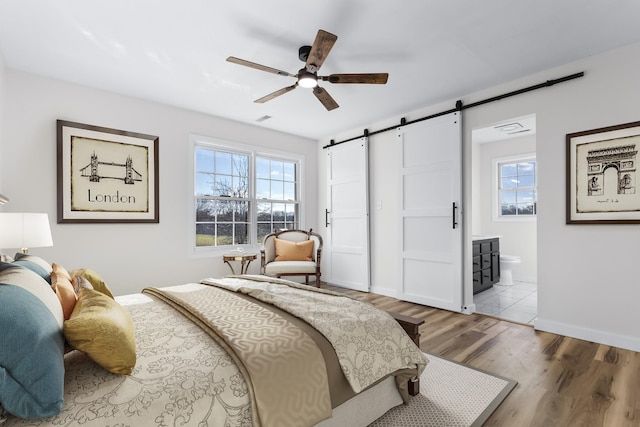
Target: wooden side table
{"x": 244, "y": 259}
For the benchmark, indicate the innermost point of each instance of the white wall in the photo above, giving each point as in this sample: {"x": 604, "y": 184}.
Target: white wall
{"x": 587, "y": 275}
{"x": 128, "y": 256}
{"x": 516, "y": 237}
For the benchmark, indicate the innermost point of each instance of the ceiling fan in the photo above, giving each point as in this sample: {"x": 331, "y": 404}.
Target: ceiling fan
{"x": 313, "y": 57}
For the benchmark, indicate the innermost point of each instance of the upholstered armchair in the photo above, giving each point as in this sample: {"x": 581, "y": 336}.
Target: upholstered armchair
{"x": 291, "y": 253}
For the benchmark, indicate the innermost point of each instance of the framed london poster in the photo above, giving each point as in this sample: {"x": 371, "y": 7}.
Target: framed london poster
{"x": 106, "y": 175}
{"x": 601, "y": 175}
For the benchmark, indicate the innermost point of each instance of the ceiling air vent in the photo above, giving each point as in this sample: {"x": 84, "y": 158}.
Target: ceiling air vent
{"x": 511, "y": 128}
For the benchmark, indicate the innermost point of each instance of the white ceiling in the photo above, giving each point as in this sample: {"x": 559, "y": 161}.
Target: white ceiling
{"x": 174, "y": 51}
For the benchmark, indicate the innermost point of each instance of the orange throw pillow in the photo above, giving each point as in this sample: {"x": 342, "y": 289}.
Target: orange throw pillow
{"x": 61, "y": 284}
{"x": 294, "y": 251}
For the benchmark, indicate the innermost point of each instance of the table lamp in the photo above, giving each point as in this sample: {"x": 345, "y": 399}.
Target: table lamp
{"x": 24, "y": 231}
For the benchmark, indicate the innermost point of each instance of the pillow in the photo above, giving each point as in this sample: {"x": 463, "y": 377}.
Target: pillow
{"x": 294, "y": 251}
{"x": 5, "y": 258}
{"x": 35, "y": 259}
{"x": 100, "y": 327}
{"x": 36, "y": 268}
{"x": 95, "y": 280}
{"x": 58, "y": 269}
{"x": 31, "y": 349}
{"x": 13, "y": 274}
{"x": 80, "y": 282}
{"x": 61, "y": 284}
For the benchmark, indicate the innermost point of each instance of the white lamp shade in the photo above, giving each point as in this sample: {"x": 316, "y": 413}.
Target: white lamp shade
{"x": 25, "y": 230}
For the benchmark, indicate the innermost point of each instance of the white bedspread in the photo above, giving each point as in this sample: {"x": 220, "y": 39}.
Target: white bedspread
{"x": 171, "y": 384}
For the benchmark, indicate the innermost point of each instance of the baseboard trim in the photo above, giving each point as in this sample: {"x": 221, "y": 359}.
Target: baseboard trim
{"x": 528, "y": 279}
{"x": 593, "y": 335}
{"x": 385, "y": 291}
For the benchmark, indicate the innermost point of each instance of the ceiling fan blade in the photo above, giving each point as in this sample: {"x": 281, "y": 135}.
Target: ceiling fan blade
{"x": 276, "y": 94}
{"x": 258, "y": 66}
{"x": 326, "y": 99}
{"x": 319, "y": 50}
{"x": 377, "y": 78}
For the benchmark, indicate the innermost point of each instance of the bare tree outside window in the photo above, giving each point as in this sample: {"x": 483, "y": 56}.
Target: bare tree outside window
{"x": 222, "y": 198}
{"x": 231, "y": 207}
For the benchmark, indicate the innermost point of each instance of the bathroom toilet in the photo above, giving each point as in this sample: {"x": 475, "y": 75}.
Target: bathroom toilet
{"x": 506, "y": 263}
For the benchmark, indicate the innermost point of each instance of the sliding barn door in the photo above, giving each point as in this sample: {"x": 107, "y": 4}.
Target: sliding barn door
{"x": 430, "y": 234}
{"x": 347, "y": 216}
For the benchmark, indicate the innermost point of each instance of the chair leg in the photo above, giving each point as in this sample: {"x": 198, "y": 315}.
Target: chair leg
{"x": 317, "y": 280}
{"x": 306, "y": 279}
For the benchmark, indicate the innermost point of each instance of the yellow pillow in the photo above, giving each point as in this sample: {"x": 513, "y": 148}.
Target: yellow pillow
{"x": 294, "y": 251}
{"x": 80, "y": 282}
{"x": 100, "y": 327}
{"x": 95, "y": 280}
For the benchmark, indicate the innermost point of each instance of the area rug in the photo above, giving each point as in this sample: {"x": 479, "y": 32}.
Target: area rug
{"x": 451, "y": 395}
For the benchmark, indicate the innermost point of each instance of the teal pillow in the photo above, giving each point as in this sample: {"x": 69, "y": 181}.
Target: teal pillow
{"x": 36, "y": 268}
{"x": 31, "y": 345}
{"x": 19, "y": 256}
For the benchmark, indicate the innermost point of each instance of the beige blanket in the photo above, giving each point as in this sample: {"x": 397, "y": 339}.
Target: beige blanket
{"x": 283, "y": 367}
{"x": 369, "y": 343}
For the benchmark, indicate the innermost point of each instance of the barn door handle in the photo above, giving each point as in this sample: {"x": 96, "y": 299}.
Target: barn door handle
{"x": 326, "y": 217}
{"x": 454, "y": 215}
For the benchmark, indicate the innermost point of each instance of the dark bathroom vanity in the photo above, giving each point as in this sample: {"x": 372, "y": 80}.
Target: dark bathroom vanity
{"x": 486, "y": 262}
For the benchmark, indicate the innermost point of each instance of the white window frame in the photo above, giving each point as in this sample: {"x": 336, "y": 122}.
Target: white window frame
{"x": 252, "y": 151}
{"x": 495, "y": 185}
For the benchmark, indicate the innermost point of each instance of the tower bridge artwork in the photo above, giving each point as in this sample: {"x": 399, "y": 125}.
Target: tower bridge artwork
{"x": 130, "y": 175}
{"x": 106, "y": 175}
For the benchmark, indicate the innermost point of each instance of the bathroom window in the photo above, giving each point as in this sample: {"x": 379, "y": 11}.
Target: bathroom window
{"x": 517, "y": 193}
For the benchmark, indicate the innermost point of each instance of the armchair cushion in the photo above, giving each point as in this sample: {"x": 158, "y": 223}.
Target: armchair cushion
{"x": 294, "y": 251}
{"x": 290, "y": 268}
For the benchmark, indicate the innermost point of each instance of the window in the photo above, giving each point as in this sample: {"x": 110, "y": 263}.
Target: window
{"x": 242, "y": 194}
{"x": 517, "y": 195}
{"x": 277, "y": 205}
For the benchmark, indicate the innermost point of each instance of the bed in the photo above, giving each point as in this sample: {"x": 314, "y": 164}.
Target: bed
{"x": 237, "y": 351}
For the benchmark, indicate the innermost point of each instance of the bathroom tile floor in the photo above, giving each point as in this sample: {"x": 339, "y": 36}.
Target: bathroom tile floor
{"x": 518, "y": 302}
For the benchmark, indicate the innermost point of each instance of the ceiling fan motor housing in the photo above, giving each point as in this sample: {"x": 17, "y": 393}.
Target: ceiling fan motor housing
{"x": 303, "y": 53}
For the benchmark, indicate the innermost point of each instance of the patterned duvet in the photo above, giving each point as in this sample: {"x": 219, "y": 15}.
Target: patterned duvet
{"x": 184, "y": 377}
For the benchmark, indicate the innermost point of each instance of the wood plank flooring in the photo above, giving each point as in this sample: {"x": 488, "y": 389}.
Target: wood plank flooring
{"x": 562, "y": 381}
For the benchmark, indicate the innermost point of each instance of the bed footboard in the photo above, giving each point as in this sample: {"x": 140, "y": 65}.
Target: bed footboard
{"x": 411, "y": 325}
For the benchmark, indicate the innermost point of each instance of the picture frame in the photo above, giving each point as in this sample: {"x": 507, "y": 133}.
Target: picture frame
{"x": 602, "y": 175}
{"x": 106, "y": 175}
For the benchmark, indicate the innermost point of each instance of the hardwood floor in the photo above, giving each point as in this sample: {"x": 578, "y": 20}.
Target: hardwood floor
{"x": 562, "y": 381}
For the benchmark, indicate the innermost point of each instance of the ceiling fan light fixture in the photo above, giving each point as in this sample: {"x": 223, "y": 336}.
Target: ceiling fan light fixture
{"x": 313, "y": 57}
{"x": 307, "y": 80}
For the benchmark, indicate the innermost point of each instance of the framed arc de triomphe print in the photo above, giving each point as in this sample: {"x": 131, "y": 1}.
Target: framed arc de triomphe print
{"x": 106, "y": 175}
{"x": 602, "y": 175}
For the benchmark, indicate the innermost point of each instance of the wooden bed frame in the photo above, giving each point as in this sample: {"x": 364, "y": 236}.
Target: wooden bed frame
{"x": 411, "y": 325}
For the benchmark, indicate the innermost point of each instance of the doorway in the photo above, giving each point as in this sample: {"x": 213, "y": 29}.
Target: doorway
{"x": 504, "y": 200}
